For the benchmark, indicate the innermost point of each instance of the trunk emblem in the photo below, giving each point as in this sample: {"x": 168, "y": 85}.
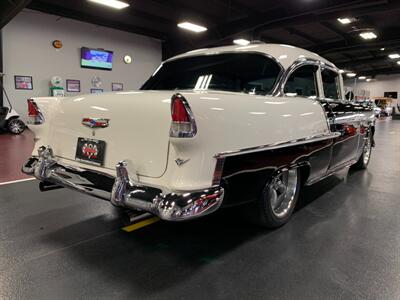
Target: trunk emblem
{"x": 95, "y": 122}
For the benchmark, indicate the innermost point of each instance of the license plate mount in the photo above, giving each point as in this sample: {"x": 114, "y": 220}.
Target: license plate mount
{"x": 90, "y": 151}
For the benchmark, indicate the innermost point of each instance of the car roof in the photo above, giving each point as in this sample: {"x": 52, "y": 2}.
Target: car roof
{"x": 286, "y": 55}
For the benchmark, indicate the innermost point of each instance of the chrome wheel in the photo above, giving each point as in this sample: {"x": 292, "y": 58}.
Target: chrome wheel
{"x": 367, "y": 150}
{"x": 281, "y": 192}
{"x": 16, "y": 126}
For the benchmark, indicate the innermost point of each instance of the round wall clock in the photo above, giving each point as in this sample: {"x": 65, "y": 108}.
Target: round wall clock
{"x": 57, "y": 44}
{"x": 127, "y": 59}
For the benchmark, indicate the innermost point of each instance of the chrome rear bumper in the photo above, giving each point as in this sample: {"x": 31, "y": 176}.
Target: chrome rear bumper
{"x": 121, "y": 191}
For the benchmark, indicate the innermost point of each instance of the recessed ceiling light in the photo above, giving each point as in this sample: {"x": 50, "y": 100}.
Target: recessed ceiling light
{"x": 192, "y": 27}
{"x": 398, "y": 62}
{"x": 362, "y": 77}
{"x": 368, "y": 35}
{"x": 369, "y": 79}
{"x": 241, "y": 42}
{"x": 351, "y": 74}
{"x": 345, "y": 21}
{"x": 394, "y": 55}
{"x": 382, "y": 49}
{"x": 111, "y": 3}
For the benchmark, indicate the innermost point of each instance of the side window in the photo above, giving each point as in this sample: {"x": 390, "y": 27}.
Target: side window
{"x": 303, "y": 82}
{"x": 331, "y": 84}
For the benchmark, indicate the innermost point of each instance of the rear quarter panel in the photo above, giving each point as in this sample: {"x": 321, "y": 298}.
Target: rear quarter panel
{"x": 231, "y": 121}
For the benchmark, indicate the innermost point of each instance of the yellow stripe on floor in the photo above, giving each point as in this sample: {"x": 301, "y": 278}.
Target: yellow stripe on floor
{"x": 140, "y": 224}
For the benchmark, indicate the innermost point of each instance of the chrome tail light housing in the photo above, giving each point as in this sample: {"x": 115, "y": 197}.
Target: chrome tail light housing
{"x": 183, "y": 124}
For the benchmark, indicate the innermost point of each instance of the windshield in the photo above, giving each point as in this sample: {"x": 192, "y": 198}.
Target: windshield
{"x": 240, "y": 72}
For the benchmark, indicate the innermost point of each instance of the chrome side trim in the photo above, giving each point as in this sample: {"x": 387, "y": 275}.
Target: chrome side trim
{"x": 279, "y": 145}
{"x": 332, "y": 172}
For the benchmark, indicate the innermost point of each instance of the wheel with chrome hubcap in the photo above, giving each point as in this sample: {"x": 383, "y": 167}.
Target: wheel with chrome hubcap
{"x": 365, "y": 157}
{"x": 16, "y": 126}
{"x": 278, "y": 199}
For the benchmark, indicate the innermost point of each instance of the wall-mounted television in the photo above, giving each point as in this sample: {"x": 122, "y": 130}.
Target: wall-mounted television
{"x": 96, "y": 58}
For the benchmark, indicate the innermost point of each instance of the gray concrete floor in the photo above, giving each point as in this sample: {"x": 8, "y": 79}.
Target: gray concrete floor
{"x": 342, "y": 242}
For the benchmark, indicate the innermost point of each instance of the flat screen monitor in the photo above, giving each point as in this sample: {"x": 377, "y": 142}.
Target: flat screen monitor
{"x": 96, "y": 58}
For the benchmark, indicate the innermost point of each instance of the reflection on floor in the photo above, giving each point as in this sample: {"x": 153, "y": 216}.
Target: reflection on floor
{"x": 14, "y": 151}
{"x": 342, "y": 242}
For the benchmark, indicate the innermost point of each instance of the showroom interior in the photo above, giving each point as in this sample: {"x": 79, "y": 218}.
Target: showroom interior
{"x": 97, "y": 102}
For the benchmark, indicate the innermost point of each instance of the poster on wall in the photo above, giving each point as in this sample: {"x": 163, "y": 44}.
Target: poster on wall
{"x": 23, "y": 82}
{"x": 73, "y": 86}
{"x": 96, "y": 91}
{"x": 117, "y": 87}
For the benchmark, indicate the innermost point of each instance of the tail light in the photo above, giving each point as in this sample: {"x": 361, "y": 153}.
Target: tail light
{"x": 34, "y": 113}
{"x": 183, "y": 124}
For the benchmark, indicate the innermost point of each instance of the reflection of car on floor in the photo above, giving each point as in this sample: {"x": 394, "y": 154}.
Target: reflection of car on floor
{"x": 214, "y": 127}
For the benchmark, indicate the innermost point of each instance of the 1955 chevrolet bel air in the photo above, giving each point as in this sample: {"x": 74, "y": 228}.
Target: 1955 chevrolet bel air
{"x": 212, "y": 127}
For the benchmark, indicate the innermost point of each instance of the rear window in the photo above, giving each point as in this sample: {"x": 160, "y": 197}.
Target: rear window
{"x": 241, "y": 72}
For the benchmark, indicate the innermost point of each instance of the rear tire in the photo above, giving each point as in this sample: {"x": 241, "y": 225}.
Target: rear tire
{"x": 16, "y": 126}
{"x": 278, "y": 199}
{"x": 365, "y": 157}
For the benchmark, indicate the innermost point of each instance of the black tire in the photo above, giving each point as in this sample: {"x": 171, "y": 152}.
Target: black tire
{"x": 264, "y": 213}
{"x": 16, "y": 126}
{"x": 365, "y": 156}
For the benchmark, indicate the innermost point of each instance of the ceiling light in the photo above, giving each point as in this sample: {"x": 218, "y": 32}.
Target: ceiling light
{"x": 369, "y": 79}
{"x": 368, "y": 35}
{"x": 351, "y": 74}
{"x": 362, "y": 77}
{"x": 341, "y": 71}
{"x": 111, "y": 3}
{"x": 241, "y": 42}
{"x": 192, "y": 27}
{"x": 394, "y": 55}
{"x": 382, "y": 49}
{"x": 398, "y": 62}
{"x": 345, "y": 20}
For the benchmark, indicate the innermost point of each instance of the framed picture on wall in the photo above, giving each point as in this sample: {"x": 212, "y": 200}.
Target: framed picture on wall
{"x": 73, "y": 86}
{"x": 117, "y": 87}
{"x": 96, "y": 91}
{"x": 23, "y": 82}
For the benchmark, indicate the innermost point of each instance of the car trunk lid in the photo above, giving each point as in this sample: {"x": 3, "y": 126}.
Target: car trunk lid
{"x": 137, "y": 130}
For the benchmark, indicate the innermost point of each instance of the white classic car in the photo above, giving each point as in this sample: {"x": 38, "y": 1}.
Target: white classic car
{"x": 210, "y": 128}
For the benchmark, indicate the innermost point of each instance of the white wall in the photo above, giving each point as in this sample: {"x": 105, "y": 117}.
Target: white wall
{"x": 381, "y": 84}
{"x": 28, "y": 50}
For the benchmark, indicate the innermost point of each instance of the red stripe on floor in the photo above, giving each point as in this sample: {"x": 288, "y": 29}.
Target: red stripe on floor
{"x": 14, "y": 151}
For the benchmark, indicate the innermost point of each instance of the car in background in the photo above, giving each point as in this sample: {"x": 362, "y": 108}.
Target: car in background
{"x": 385, "y": 104}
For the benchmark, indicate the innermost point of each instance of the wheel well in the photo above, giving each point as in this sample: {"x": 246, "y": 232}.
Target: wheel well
{"x": 12, "y": 118}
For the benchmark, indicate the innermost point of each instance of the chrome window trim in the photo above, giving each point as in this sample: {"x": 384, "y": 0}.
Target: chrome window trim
{"x": 279, "y": 145}
{"x": 293, "y": 68}
{"x": 338, "y": 82}
{"x": 277, "y": 82}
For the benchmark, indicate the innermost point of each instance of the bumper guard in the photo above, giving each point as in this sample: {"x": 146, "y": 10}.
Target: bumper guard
{"x": 121, "y": 190}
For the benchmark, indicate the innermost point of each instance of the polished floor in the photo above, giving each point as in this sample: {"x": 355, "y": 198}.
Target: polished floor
{"x": 343, "y": 242}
